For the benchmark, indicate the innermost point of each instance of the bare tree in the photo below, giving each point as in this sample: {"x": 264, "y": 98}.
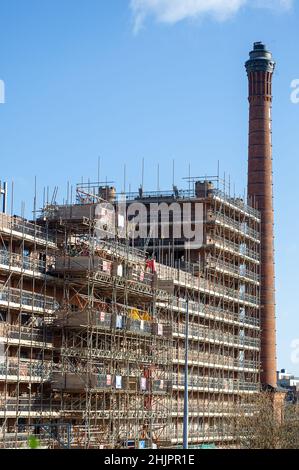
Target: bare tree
{"x": 266, "y": 424}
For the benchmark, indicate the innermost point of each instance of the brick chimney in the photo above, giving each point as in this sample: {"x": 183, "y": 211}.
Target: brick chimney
{"x": 260, "y": 68}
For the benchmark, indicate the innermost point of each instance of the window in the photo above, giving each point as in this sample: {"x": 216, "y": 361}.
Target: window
{"x": 3, "y": 316}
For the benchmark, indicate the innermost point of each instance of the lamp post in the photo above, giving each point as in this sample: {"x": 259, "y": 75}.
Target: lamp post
{"x": 186, "y": 404}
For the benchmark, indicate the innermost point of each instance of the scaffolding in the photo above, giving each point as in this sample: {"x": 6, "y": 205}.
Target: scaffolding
{"x": 114, "y": 343}
{"x": 220, "y": 281}
{"x": 94, "y": 324}
{"x": 27, "y": 305}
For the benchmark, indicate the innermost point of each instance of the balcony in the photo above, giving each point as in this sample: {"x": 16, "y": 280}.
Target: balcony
{"x": 222, "y": 408}
{"x": 18, "y": 263}
{"x": 240, "y": 250}
{"x": 207, "y": 334}
{"x": 175, "y": 276}
{"x": 15, "y": 334}
{"x": 216, "y": 313}
{"x": 19, "y": 439}
{"x": 234, "y": 225}
{"x": 213, "y": 361}
{"x": 234, "y": 270}
{"x": 26, "y": 406}
{"x": 215, "y": 384}
{"x": 28, "y": 301}
{"x": 25, "y": 371}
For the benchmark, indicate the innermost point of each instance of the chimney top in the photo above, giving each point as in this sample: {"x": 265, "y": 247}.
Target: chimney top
{"x": 261, "y": 59}
{"x": 259, "y": 46}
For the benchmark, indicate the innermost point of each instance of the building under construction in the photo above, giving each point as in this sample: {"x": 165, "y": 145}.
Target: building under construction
{"x": 106, "y": 336}
{"x": 94, "y": 329}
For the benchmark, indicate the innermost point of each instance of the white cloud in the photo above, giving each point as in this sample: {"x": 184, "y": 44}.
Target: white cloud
{"x": 173, "y": 11}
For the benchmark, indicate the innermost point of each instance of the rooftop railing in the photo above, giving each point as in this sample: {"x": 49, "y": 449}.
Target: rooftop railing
{"x": 237, "y": 203}
{"x": 191, "y": 193}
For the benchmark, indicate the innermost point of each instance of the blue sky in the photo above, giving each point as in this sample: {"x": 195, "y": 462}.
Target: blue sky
{"x": 149, "y": 79}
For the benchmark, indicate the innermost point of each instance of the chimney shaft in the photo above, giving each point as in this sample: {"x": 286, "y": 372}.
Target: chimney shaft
{"x": 260, "y": 68}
